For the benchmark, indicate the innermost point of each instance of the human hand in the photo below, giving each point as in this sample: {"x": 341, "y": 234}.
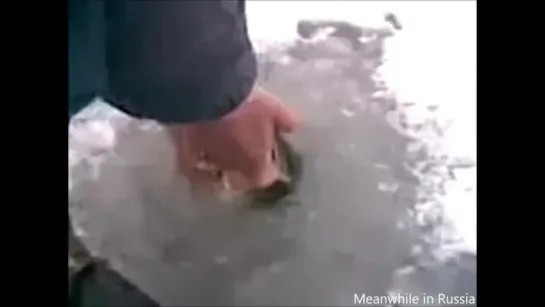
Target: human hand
{"x": 239, "y": 146}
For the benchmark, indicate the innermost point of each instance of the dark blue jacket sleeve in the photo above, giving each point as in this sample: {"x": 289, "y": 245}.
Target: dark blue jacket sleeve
{"x": 171, "y": 61}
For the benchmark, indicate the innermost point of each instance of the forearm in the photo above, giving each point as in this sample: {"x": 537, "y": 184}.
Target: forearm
{"x": 178, "y": 61}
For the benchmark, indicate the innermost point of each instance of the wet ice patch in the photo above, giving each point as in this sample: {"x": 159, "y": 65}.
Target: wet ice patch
{"x": 285, "y": 60}
{"x": 93, "y": 135}
{"x": 275, "y": 268}
{"x": 322, "y": 34}
{"x": 221, "y": 260}
{"x": 324, "y": 64}
{"x": 92, "y": 138}
{"x": 387, "y": 187}
{"x": 80, "y": 232}
{"x": 348, "y": 113}
{"x": 335, "y": 46}
{"x": 381, "y": 166}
